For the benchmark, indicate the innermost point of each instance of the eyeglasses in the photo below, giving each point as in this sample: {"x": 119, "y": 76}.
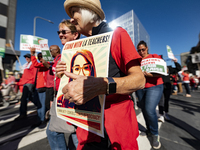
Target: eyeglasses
{"x": 139, "y": 50}
{"x": 63, "y": 32}
{"x": 52, "y": 50}
{"x": 85, "y": 68}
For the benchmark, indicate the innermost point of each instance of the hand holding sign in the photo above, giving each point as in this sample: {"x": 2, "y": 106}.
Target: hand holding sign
{"x": 83, "y": 88}
{"x": 60, "y": 68}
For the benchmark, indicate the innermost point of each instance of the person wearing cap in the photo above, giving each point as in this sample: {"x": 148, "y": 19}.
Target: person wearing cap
{"x": 27, "y": 80}
{"x": 120, "y": 123}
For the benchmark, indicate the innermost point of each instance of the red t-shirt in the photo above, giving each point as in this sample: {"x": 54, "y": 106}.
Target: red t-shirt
{"x": 56, "y": 60}
{"x": 28, "y": 76}
{"x": 153, "y": 81}
{"x": 119, "y": 116}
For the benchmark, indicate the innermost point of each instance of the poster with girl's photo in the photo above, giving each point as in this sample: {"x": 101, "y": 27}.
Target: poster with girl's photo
{"x": 87, "y": 57}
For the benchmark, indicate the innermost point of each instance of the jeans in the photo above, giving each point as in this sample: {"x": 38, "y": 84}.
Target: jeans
{"x": 41, "y": 110}
{"x": 57, "y": 140}
{"x": 27, "y": 95}
{"x": 149, "y": 99}
{"x": 187, "y": 88}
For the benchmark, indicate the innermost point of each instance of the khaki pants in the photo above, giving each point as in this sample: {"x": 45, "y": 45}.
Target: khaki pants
{"x": 180, "y": 89}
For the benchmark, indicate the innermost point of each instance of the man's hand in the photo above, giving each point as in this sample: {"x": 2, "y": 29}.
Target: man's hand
{"x": 60, "y": 68}
{"x": 32, "y": 51}
{"x": 82, "y": 88}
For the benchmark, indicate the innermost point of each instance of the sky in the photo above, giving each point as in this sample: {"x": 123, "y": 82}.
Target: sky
{"x": 168, "y": 22}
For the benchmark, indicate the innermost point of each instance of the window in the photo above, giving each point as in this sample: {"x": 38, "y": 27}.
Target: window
{"x": 3, "y": 32}
{"x": 3, "y": 9}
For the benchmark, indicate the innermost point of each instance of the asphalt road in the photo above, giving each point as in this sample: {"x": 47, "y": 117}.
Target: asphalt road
{"x": 182, "y": 132}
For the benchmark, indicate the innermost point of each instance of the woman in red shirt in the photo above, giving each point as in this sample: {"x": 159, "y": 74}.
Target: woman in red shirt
{"x": 186, "y": 82}
{"x": 150, "y": 96}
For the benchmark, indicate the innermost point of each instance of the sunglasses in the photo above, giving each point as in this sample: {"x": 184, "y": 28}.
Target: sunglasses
{"x": 139, "y": 50}
{"x": 52, "y": 50}
{"x": 63, "y": 32}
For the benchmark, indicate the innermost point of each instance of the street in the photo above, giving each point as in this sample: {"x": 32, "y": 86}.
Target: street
{"x": 182, "y": 132}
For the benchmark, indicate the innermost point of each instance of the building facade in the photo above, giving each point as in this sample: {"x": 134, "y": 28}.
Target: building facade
{"x": 7, "y": 32}
{"x": 133, "y": 26}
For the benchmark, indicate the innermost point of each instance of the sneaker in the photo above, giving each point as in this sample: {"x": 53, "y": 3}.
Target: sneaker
{"x": 161, "y": 118}
{"x": 166, "y": 117}
{"x": 188, "y": 95}
{"x": 156, "y": 141}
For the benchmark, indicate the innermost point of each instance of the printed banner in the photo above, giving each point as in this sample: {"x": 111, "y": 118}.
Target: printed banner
{"x": 89, "y": 57}
{"x": 154, "y": 65}
{"x": 46, "y": 55}
{"x": 2, "y": 52}
{"x": 28, "y": 41}
{"x": 169, "y": 52}
{"x": 195, "y": 58}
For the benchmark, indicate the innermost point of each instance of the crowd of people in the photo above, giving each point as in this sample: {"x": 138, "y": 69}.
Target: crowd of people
{"x": 40, "y": 83}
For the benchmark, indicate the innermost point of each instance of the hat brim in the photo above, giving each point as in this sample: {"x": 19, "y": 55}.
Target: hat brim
{"x": 81, "y": 3}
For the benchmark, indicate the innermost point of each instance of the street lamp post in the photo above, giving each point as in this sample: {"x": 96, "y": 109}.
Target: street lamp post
{"x": 34, "y": 26}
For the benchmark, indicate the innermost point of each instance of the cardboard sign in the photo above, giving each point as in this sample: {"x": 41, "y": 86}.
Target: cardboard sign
{"x": 88, "y": 57}
{"x": 28, "y": 41}
{"x": 154, "y": 65}
{"x": 169, "y": 52}
{"x": 46, "y": 55}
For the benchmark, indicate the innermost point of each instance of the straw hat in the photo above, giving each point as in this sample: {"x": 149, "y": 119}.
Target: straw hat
{"x": 94, "y": 5}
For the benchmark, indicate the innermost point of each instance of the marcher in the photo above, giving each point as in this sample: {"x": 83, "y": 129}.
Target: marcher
{"x": 192, "y": 83}
{"x": 150, "y": 96}
{"x": 27, "y": 80}
{"x": 124, "y": 70}
{"x": 196, "y": 82}
{"x": 186, "y": 82}
{"x": 41, "y": 83}
{"x": 67, "y": 32}
{"x": 8, "y": 85}
{"x": 164, "y": 101}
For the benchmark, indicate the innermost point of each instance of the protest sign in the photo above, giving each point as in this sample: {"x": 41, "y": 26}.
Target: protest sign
{"x": 169, "y": 52}
{"x": 89, "y": 57}
{"x": 2, "y": 52}
{"x": 46, "y": 55}
{"x": 28, "y": 41}
{"x": 154, "y": 65}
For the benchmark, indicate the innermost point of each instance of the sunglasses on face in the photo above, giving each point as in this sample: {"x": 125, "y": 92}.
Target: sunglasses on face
{"x": 139, "y": 50}
{"x": 52, "y": 50}
{"x": 63, "y": 32}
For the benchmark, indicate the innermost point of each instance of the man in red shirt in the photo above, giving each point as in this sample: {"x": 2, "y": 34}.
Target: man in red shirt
{"x": 27, "y": 80}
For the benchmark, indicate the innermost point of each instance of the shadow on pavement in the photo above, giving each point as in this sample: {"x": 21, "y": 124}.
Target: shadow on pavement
{"x": 14, "y": 132}
{"x": 189, "y": 129}
{"x": 188, "y": 107}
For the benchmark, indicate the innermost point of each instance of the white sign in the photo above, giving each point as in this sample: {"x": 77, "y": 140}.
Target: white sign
{"x": 28, "y": 41}
{"x": 169, "y": 52}
{"x": 154, "y": 65}
{"x": 46, "y": 55}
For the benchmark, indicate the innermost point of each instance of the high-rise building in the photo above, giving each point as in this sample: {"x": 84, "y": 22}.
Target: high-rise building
{"x": 133, "y": 26}
{"x": 7, "y": 32}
